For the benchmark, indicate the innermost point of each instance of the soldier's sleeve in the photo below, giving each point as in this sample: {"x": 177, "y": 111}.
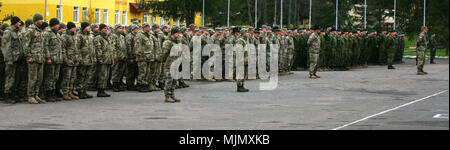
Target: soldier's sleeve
{"x": 137, "y": 46}
{"x": 98, "y": 49}
{"x": 6, "y": 47}
{"x": 129, "y": 46}
{"x": 46, "y": 40}
{"x": 26, "y": 43}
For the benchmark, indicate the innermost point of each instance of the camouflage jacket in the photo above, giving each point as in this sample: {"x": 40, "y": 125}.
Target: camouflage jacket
{"x": 131, "y": 54}
{"x": 86, "y": 47}
{"x": 422, "y": 41}
{"x": 314, "y": 43}
{"x": 157, "y": 43}
{"x": 72, "y": 53}
{"x": 33, "y": 44}
{"x": 120, "y": 49}
{"x": 53, "y": 47}
{"x": 167, "y": 47}
{"x": 144, "y": 46}
{"x": 103, "y": 49}
{"x": 11, "y": 45}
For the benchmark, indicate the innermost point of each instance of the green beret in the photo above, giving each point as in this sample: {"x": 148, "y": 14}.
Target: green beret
{"x": 37, "y": 17}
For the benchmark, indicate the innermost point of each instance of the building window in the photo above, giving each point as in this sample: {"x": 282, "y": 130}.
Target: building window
{"x": 97, "y": 16}
{"x": 105, "y": 16}
{"x": 161, "y": 20}
{"x": 168, "y": 21}
{"x": 85, "y": 13}
{"x": 59, "y": 13}
{"x": 76, "y": 15}
{"x": 124, "y": 18}
{"x": 153, "y": 19}
{"x": 116, "y": 17}
{"x": 145, "y": 19}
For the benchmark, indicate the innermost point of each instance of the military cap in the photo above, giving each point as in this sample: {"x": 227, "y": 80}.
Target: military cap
{"x": 102, "y": 26}
{"x": 300, "y": 31}
{"x": 314, "y": 28}
{"x": 424, "y": 28}
{"x": 392, "y": 31}
{"x": 54, "y": 22}
{"x": 37, "y": 17}
{"x": 196, "y": 30}
{"x": 145, "y": 25}
{"x": 84, "y": 25}
{"x": 275, "y": 28}
{"x": 183, "y": 29}
{"x": 133, "y": 27}
{"x": 28, "y": 22}
{"x": 211, "y": 31}
{"x": 191, "y": 25}
{"x": 62, "y": 25}
{"x": 94, "y": 26}
{"x": 21, "y": 23}
{"x": 175, "y": 29}
{"x": 244, "y": 30}
{"x": 15, "y": 20}
{"x": 44, "y": 25}
{"x": 235, "y": 29}
{"x": 257, "y": 30}
{"x": 155, "y": 26}
{"x": 70, "y": 25}
{"x": 165, "y": 26}
{"x": 118, "y": 26}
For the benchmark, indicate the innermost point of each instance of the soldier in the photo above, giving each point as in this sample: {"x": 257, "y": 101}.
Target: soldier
{"x": 156, "y": 65}
{"x": 54, "y": 58}
{"x": 132, "y": 69}
{"x": 169, "y": 85}
{"x": 432, "y": 46}
{"x": 11, "y": 51}
{"x": 145, "y": 54}
{"x": 104, "y": 54}
{"x": 71, "y": 61}
{"x": 119, "y": 53}
{"x": 33, "y": 48}
{"x": 390, "y": 48}
{"x": 87, "y": 60}
{"x": 62, "y": 30}
{"x": 290, "y": 42}
{"x": 314, "y": 47}
{"x": 421, "y": 48}
{"x": 92, "y": 82}
{"x": 240, "y": 40}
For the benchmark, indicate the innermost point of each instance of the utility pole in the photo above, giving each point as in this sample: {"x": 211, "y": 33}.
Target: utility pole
{"x": 256, "y": 13}
{"x": 45, "y": 13}
{"x": 310, "y": 10}
{"x": 275, "y": 16}
{"x": 281, "y": 15}
{"x": 365, "y": 14}
{"x": 395, "y": 11}
{"x": 337, "y": 13}
{"x": 228, "y": 20}
{"x": 424, "y": 11}
{"x": 203, "y": 14}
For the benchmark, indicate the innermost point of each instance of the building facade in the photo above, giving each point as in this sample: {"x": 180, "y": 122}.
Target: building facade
{"x": 109, "y": 12}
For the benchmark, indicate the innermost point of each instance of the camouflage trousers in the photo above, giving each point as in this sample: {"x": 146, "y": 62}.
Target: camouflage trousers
{"x": 432, "y": 53}
{"x": 313, "y": 63}
{"x": 83, "y": 74}
{"x": 68, "y": 78}
{"x": 51, "y": 75}
{"x": 144, "y": 73}
{"x": 2, "y": 78}
{"x": 390, "y": 56}
{"x": 169, "y": 83}
{"x": 155, "y": 71}
{"x": 420, "y": 57}
{"x": 118, "y": 71}
{"x": 35, "y": 76}
{"x": 92, "y": 82}
{"x": 161, "y": 72}
{"x": 132, "y": 72}
{"x": 240, "y": 82}
{"x": 382, "y": 56}
{"x": 102, "y": 74}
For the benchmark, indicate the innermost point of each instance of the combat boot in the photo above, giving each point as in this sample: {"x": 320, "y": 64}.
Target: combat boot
{"x": 37, "y": 98}
{"x": 161, "y": 85}
{"x": 184, "y": 85}
{"x": 92, "y": 89}
{"x": 131, "y": 88}
{"x": 48, "y": 95}
{"x": 175, "y": 99}
{"x": 391, "y": 67}
{"x": 144, "y": 89}
{"x": 66, "y": 97}
{"x": 242, "y": 89}
{"x": 81, "y": 94}
{"x": 169, "y": 99}
{"x": 7, "y": 99}
{"x": 116, "y": 87}
{"x": 102, "y": 93}
{"x": 72, "y": 96}
{"x": 154, "y": 88}
{"x": 31, "y": 100}
{"x": 317, "y": 76}
{"x": 87, "y": 95}
{"x": 311, "y": 76}
{"x": 55, "y": 96}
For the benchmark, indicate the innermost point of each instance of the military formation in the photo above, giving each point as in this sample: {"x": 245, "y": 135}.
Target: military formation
{"x": 48, "y": 62}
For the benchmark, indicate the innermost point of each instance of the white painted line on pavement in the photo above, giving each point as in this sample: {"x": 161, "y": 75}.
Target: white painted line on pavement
{"x": 441, "y": 116}
{"x": 380, "y": 113}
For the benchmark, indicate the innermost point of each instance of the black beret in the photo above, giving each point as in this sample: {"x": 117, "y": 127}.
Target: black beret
{"x": 54, "y": 22}
{"x": 84, "y": 25}
{"x": 15, "y": 20}
{"x": 70, "y": 25}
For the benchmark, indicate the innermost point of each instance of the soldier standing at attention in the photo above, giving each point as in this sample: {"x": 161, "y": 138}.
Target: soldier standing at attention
{"x": 144, "y": 52}
{"x": 11, "y": 51}
{"x": 104, "y": 55}
{"x": 132, "y": 69}
{"x": 119, "y": 53}
{"x": 391, "y": 46}
{"x": 314, "y": 47}
{"x": 240, "y": 40}
{"x": 169, "y": 85}
{"x": 34, "y": 50}
{"x": 432, "y": 46}
{"x": 86, "y": 69}
{"x": 421, "y": 48}
{"x": 54, "y": 57}
{"x": 71, "y": 61}
{"x": 92, "y": 82}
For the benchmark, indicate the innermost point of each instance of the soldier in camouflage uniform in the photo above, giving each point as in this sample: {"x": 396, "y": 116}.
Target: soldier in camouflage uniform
{"x": 71, "y": 61}
{"x": 314, "y": 47}
{"x": 119, "y": 53}
{"x": 92, "y": 82}
{"x": 391, "y": 44}
{"x": 11, "y": 52}
{"x": 169, "y": 85}
{"x": 132, "y": 69}
{"x": 291, "y": 47}
{"x": 144, "y": 52}
{"x": 432, "y": 46}
{"x": 104, "y": 54}
{"x": 53, "y": 55}
{"x": 183, "y": 40}
{"x": 421, "y": 48}
{"x": 242, "y": 41}
{"x": 155, "y": 67}
{"x": 87, "y": 60}
{"x": 33, "y": 49}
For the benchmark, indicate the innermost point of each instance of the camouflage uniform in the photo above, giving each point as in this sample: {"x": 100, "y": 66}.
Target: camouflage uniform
{"x": 144, "y": 50}
{"x": 390, "y": 49}
{"x": 53, "y": 49}
{"x": 314, "y": 47}
{"x": 86, "y": 71}
{"x": 169, "y": 85}
{"x": 155, "y": 67}
{"x": 104, "y": 56}
{"x": 11, "y": 53}
{"x": 132, "y": 69}
{"x": 432, "y": 46}
{"x": 421, "y": 48}
{"x": 34, "y": 50}
{"x": 72, "y": 58}
{"x": 120, "y": 57}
